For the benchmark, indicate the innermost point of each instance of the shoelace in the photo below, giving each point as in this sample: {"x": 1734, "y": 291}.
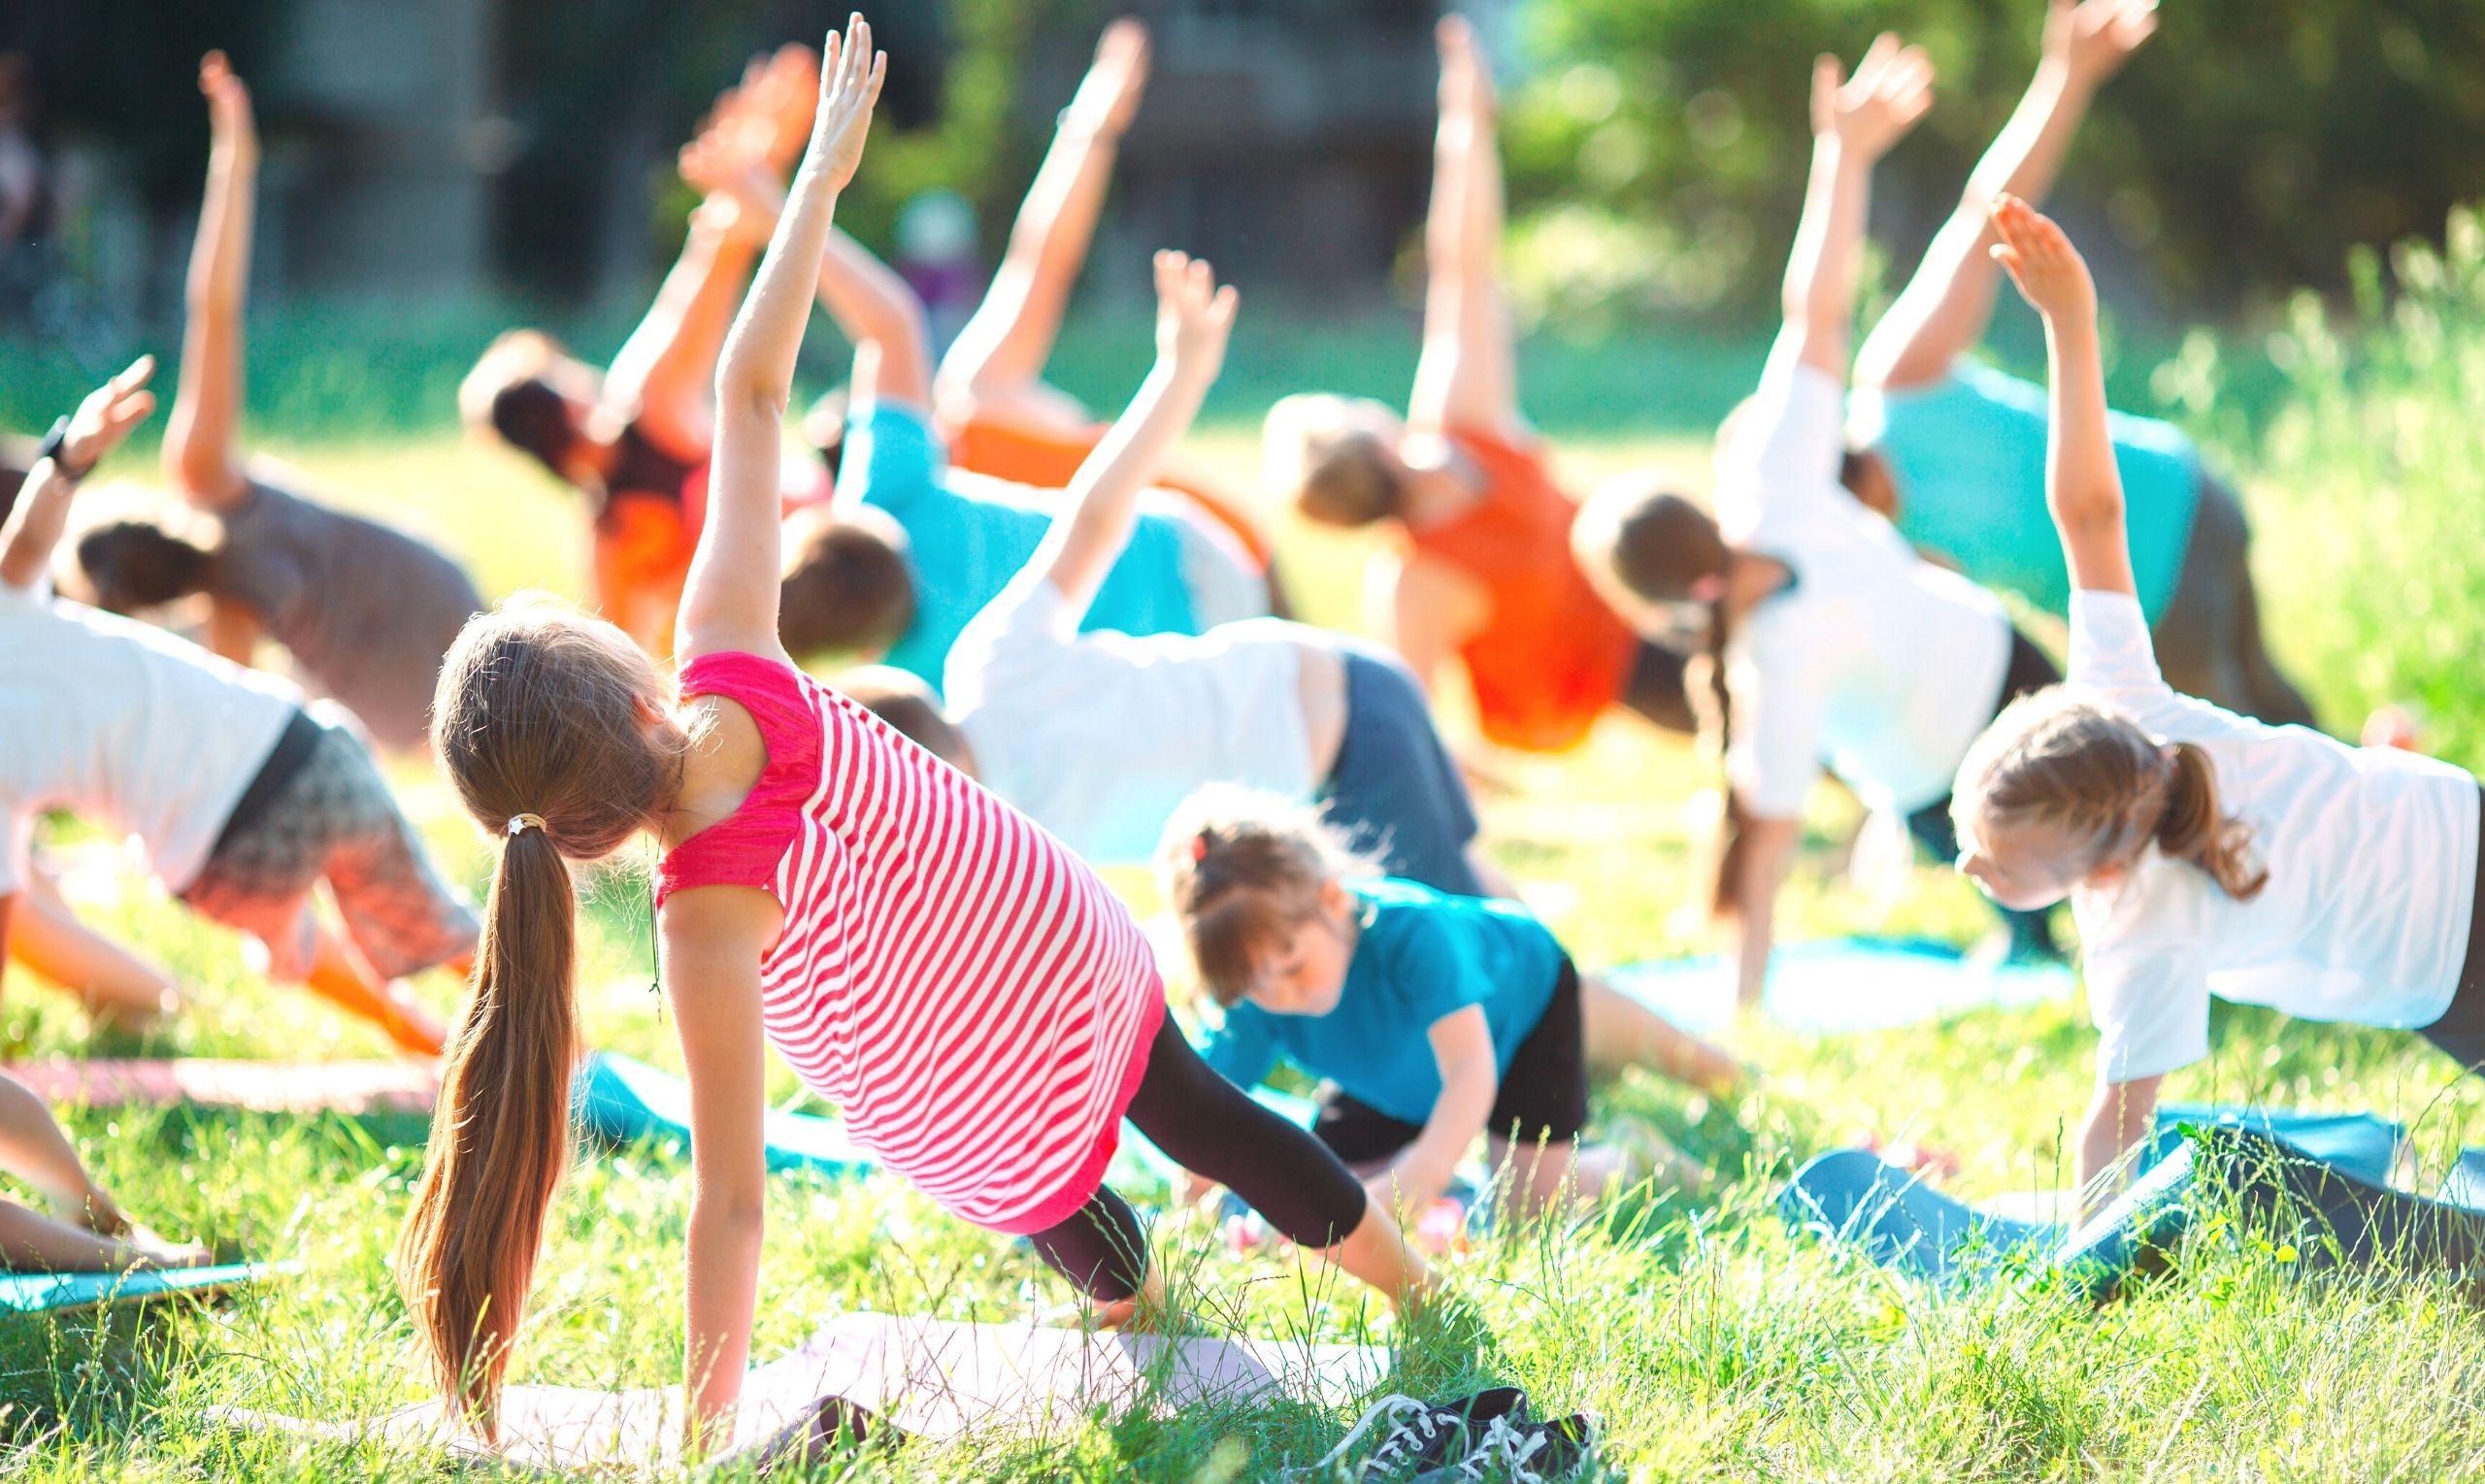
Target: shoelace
{"x": 1408, "y": 1418}
{"x": 1503, "y": 1445}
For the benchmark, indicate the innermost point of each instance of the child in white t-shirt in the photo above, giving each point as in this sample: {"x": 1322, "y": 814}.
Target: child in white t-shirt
{"x": 243, "y": 802}
{"x": 1100, "y": 737}
{"x": 1833, "y": 641}
{"x": 2202, "y": 852}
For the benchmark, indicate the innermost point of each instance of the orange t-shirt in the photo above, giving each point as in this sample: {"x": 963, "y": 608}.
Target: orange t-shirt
{"x": 1552, "y": 657}
{"x": 1049, "y": 458}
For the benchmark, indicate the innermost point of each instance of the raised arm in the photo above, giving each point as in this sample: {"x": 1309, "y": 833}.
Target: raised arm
{"x": 663, "y": 375}
{"x": 42, "y": 511}
{"x": 730, "y": 599}
{"x": 1465, "y": 375}
{"x": 1945, "y": 309}
{"x": 1005, "y": 346}
{"x": 2082, "y": 486}
{"x": 201, "y": 456}
{"x": 1854, "y": 123}
{"x": 1194, "y": 318}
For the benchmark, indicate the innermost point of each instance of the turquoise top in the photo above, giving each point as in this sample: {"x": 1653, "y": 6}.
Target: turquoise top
{"x": 1422, "y": 956}
{"x": 1968, "y": 453}
{"x": 967, "y": 536}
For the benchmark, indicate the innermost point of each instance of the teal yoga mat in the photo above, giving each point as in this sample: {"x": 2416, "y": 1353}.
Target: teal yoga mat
{"x": 2320, "y": 1178}
{"x": 1839, "y": 985}
{"x": 33, "y": 1293}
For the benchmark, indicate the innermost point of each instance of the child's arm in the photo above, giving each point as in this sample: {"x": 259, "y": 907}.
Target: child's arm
{"x": 713, "y": 937}
{"x": 1470, "y": 1080}
{"x": 2083, "y": 485}
{"x": 2117, "y": 1117}
{"x": 1853, "y": 125}
{"x": 1005, "y": 346}
{"x": 1948, "y": 302}
{"x": 1464, "y": 377}
{"x": 1763, "y": 853}
{"x": 34, "y": 1149}
{"x": 1194, "y": 318}
{"x": 201, "y": 455}
{"x": 42, "y": 511}
{"x": 661, "y": 376}
{"x": 730, "y": 601}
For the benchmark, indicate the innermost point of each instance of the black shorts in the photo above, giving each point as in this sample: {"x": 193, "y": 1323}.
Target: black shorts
{"x": 2460, "y": 1032}
{"x": 1543, "y": 1096}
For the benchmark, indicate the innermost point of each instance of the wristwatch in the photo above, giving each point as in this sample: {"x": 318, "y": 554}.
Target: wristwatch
{"x": 53, "y": 443}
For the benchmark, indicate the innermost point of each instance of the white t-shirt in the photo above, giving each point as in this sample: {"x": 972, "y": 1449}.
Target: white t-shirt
{"x": 128, "y": 725}
{"x": 1100, "y": 737}
{"x": 2371, "y": 855}
{"x": 1873, "y": 660}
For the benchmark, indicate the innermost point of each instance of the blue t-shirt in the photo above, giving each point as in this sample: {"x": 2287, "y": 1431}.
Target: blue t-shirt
{"x": 1968, "y": 453}
{"x": 1422, "y": 956}
{"x": 967, "y": 535}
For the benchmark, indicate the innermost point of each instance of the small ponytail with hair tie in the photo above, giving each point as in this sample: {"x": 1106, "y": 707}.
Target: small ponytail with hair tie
{"x": 2190, "y": 826}
{"x": 519, "y": 824}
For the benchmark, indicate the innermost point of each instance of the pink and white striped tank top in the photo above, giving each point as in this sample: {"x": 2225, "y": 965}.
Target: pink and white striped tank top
{"x": 975, "y": 1000}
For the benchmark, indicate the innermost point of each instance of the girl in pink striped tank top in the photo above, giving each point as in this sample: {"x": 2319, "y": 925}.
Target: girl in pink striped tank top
{"x": 975, "y": 1000}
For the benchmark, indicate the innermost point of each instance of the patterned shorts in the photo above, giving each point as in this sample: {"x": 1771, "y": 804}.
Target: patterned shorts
{"x": 333, "y": 819}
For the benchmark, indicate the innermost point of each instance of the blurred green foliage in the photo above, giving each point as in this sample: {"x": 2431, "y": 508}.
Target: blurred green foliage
{"x": 1658, "y": 149}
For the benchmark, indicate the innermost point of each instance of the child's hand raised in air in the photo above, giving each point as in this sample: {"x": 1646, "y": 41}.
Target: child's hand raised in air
{"x": 2094, "y": 38}
{"x": 1108, "y": 97}
{"x": 1194, "y": 317}
{"x": 2044, "y": 263}
{"x": 850, "y": 84}
{"x": 108, "y": 413}
{"x": 1466, "y": 73}
{"x": 228, "y": 104}
{"x": 1874, "y": 108}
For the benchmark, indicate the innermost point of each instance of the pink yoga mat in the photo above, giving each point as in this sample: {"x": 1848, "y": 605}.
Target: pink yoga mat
{"x": 265, "y": 1087}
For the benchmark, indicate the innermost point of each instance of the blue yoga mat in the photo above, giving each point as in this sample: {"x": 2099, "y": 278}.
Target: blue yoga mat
{"x": 31, "y": 1293}
{"x": 2332, "y": 1167}
{"x": 1841, "y": 984}
{"x": 622, "y": 1101}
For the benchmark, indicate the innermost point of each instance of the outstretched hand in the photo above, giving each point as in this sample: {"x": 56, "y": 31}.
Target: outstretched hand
{"x": 1466, "y": 73}
{"x": 228, "y": 103}
{"x": 850, "y": 73}
{"x": 108, "y": 413}
{"x": 1108, "y": 97}
{"x": 2041, "y": 259}
{"x": 1870, "y": 111}
{"x": 2094, "y": 38}
{"x": 1194, "y": 317}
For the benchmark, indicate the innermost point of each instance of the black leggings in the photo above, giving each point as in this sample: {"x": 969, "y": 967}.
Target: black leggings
{"x": 1207, "y": 1125}
{"x": 2208, "y": 639}
{"x": 2460, "y": 1032}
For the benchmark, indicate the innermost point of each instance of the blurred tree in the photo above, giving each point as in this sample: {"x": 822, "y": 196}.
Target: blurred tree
{"x": 1659, "y": 143}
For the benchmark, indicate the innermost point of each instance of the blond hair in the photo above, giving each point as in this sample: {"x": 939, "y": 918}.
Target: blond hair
{"x": 1241, "y": 869}
{"x": 2066, "y": 759}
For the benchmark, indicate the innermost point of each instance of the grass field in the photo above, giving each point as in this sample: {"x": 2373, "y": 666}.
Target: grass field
{"x": 1712, "y": 1343}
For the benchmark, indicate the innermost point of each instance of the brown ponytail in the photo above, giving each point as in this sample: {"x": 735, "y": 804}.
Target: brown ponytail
{"x": 500, "y": 1137}
{"x": 2190, "y": 828}
{"x": 550, "y": 727}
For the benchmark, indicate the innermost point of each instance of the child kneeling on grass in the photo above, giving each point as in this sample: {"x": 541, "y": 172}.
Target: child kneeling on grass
{"x": 1437, "y": 1017}
{"x": 244, "y": 801}
{"x": 977, "y": 1003}
{"x": 2204, "y": 853}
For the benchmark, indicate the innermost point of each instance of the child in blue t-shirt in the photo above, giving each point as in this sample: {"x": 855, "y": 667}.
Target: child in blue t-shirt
{"x": 1433, "y": 1017}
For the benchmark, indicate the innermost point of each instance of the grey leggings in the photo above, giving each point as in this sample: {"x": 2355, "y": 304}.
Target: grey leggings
{"x": 2208, "y": 639}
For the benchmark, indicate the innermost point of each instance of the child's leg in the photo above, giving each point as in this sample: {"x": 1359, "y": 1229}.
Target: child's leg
{"x": 1207, "y": 1125}
{"x": 117, "y": 986}
{"x": 1656, "y": 689}
{"x": 1102, "y": 1249}
{"x": 338, "y": 976}
{"x": 1620, "y": 1032}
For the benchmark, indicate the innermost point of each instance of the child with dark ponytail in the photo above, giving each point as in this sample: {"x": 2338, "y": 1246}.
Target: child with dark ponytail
{"x": 981, "y": 1008}
{"x": 2202, "y": 852}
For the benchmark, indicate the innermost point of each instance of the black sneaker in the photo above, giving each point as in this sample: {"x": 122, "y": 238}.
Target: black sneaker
{"x": 1459, "y": 1441}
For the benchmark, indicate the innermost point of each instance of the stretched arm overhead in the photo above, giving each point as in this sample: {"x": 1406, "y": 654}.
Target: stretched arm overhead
{"x": 1194, "y": 318}
{"x": 201, "y": 456}
{"x": 1005, "y": 346}
{"x": 2083, "y": 485}
{"x": 730, "y": 599}
{"x": 1945, "y": 309}
{"x": 661, "y": 377}
{"x": 1466, "y": 375}
{"x": 34, "y": 526}
{"x": 1854, "y": 123}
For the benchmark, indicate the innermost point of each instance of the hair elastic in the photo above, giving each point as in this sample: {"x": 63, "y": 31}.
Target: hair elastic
{"x": 519, "y": 824}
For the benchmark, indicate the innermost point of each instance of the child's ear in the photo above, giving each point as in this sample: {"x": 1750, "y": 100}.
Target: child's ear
{"x": 1334, "y": 899}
